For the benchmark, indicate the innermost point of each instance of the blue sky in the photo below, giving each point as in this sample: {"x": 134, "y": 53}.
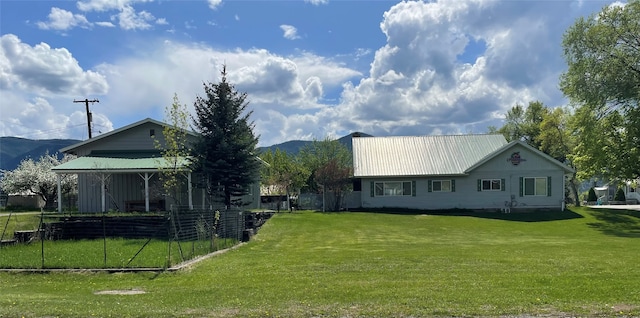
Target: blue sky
{"x": 311, "y": 69}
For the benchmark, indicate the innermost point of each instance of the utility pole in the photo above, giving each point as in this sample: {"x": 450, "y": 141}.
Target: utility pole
{"x": 86, "y": 102}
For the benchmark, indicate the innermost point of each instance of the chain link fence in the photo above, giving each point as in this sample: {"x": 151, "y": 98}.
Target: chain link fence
{"x": 142, "y": 240}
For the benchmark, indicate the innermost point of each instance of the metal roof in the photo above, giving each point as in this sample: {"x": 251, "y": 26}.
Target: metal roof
{"x": 118, "y": 165}
{"x": 421, "y": 155}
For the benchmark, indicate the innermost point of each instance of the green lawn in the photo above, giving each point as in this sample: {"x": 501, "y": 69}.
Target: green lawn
{"x": 120, "y": 253}
{"x": 17, "y": 221}
{"x": 581, "y": 263}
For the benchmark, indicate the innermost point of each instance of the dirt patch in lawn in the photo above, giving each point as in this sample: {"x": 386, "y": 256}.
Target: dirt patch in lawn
{"x": 120, "y": 292}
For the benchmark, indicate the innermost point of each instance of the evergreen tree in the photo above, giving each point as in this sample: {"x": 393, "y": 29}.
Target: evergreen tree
{"x": 225, "y": 152}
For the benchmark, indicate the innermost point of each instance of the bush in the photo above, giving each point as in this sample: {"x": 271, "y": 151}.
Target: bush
{"x": 620, "y": 196}
{"x": 592, "y": 197}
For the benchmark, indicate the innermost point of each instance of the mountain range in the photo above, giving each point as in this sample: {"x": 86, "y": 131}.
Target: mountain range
{"x": 14, "y": 149}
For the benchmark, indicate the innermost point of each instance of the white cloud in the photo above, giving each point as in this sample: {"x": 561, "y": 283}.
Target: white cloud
{"x": 361, "y": 52}
{"x": 44, "y": 70}
{"x": 106, "y": 24}
{"x": 129, "y": 19}
{"x": 448, "y": 66}
{"x": 420, "y": 76}
{"x": 38, "y": 118}
{"x": 330, "y": 72}
{"x": 38, "y": 85}
{"x": 275, "y": 84}
{"x": 62, "y": 20}
{"x": 214, "y": 4}
{"x": 106, "y": 5}
{"x": 317, "y": 2}
{"x": 290, "y": 32}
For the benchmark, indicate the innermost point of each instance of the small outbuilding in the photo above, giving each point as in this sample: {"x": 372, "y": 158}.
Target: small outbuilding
{"x": 477, "y": 172}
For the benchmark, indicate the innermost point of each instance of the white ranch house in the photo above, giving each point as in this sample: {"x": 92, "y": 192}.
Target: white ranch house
{"x": 119, "y": 170}
{"x": 477, "y": 172}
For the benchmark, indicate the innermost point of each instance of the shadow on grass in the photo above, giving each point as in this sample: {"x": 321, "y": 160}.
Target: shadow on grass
{"x": 623, "y": 223}
{"x": 536, "y": 216}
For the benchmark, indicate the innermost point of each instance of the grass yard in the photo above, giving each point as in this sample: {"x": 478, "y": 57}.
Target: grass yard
{"x": 84, "y": 254}
{"x": 581, "y": 263}
{"x": 17, "y": 221}
{"x": 120, "y": 253}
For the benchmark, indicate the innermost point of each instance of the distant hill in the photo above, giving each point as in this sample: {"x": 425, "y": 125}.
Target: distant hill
{"x": 293, "y": 147}
{"x": 13, "y": 149}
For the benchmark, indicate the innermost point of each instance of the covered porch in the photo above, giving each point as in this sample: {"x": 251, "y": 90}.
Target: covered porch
{"x": 125, "y": 183}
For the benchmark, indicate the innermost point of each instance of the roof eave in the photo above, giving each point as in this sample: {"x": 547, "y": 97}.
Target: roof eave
{"x": 83, "y": 171}
{"x": 413, "y": 176}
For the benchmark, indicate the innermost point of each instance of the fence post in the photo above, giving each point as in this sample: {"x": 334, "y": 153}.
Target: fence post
{"x": 104, "y": 238}
{"x": 41, "y": 238}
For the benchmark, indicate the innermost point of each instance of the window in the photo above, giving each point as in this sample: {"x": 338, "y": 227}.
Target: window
{"x": 491, "y": 184}
{"x": 535, "y": 186}
{"x": 441, "y": 186}
{"x": 397, "y": 188}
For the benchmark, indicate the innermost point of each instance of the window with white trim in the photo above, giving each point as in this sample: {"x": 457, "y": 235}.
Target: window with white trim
{"x": 491, "y": 184}
{"x": 441, "y": 185}
{"x": 535, "y": 186}
{"x": 393, "y": 188}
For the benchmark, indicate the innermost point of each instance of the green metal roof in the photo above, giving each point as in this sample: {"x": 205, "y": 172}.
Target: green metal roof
{"x": 122, "y": 165}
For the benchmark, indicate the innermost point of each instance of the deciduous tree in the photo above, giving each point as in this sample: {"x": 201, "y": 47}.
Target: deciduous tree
{"x": 285, "y": 174}
{"x": 36, "y": 177}
{"x": 174, "y": 147}
{"x": 603, "y": 82}
{"x": 330, "y": 164}
{"x": 524, "y": 123}
{"x": 556, "y": 140}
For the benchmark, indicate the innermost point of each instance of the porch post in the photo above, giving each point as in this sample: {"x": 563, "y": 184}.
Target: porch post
{"x": 146, "y": 192}
{"x": 102, "y": 192}
{"x": 190, "y": 190}
{"x": 59, "y": 179}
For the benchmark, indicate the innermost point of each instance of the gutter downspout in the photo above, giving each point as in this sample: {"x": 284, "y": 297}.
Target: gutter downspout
{"x": 564, "y": 198}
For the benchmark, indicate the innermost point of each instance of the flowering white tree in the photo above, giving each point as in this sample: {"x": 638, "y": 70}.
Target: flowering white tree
{"x": 36, "y": 177}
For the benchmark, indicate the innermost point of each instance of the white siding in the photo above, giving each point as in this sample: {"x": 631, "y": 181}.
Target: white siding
{"x": 133, "y": 139}
{"x": 467, "y": 196}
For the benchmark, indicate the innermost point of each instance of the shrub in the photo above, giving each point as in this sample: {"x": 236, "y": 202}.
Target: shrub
{"x": 592, "y": 197}
{"x": 620, "y": 196}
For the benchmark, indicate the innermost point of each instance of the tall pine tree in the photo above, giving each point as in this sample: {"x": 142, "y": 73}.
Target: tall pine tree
{"x": 225, "y": 152}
